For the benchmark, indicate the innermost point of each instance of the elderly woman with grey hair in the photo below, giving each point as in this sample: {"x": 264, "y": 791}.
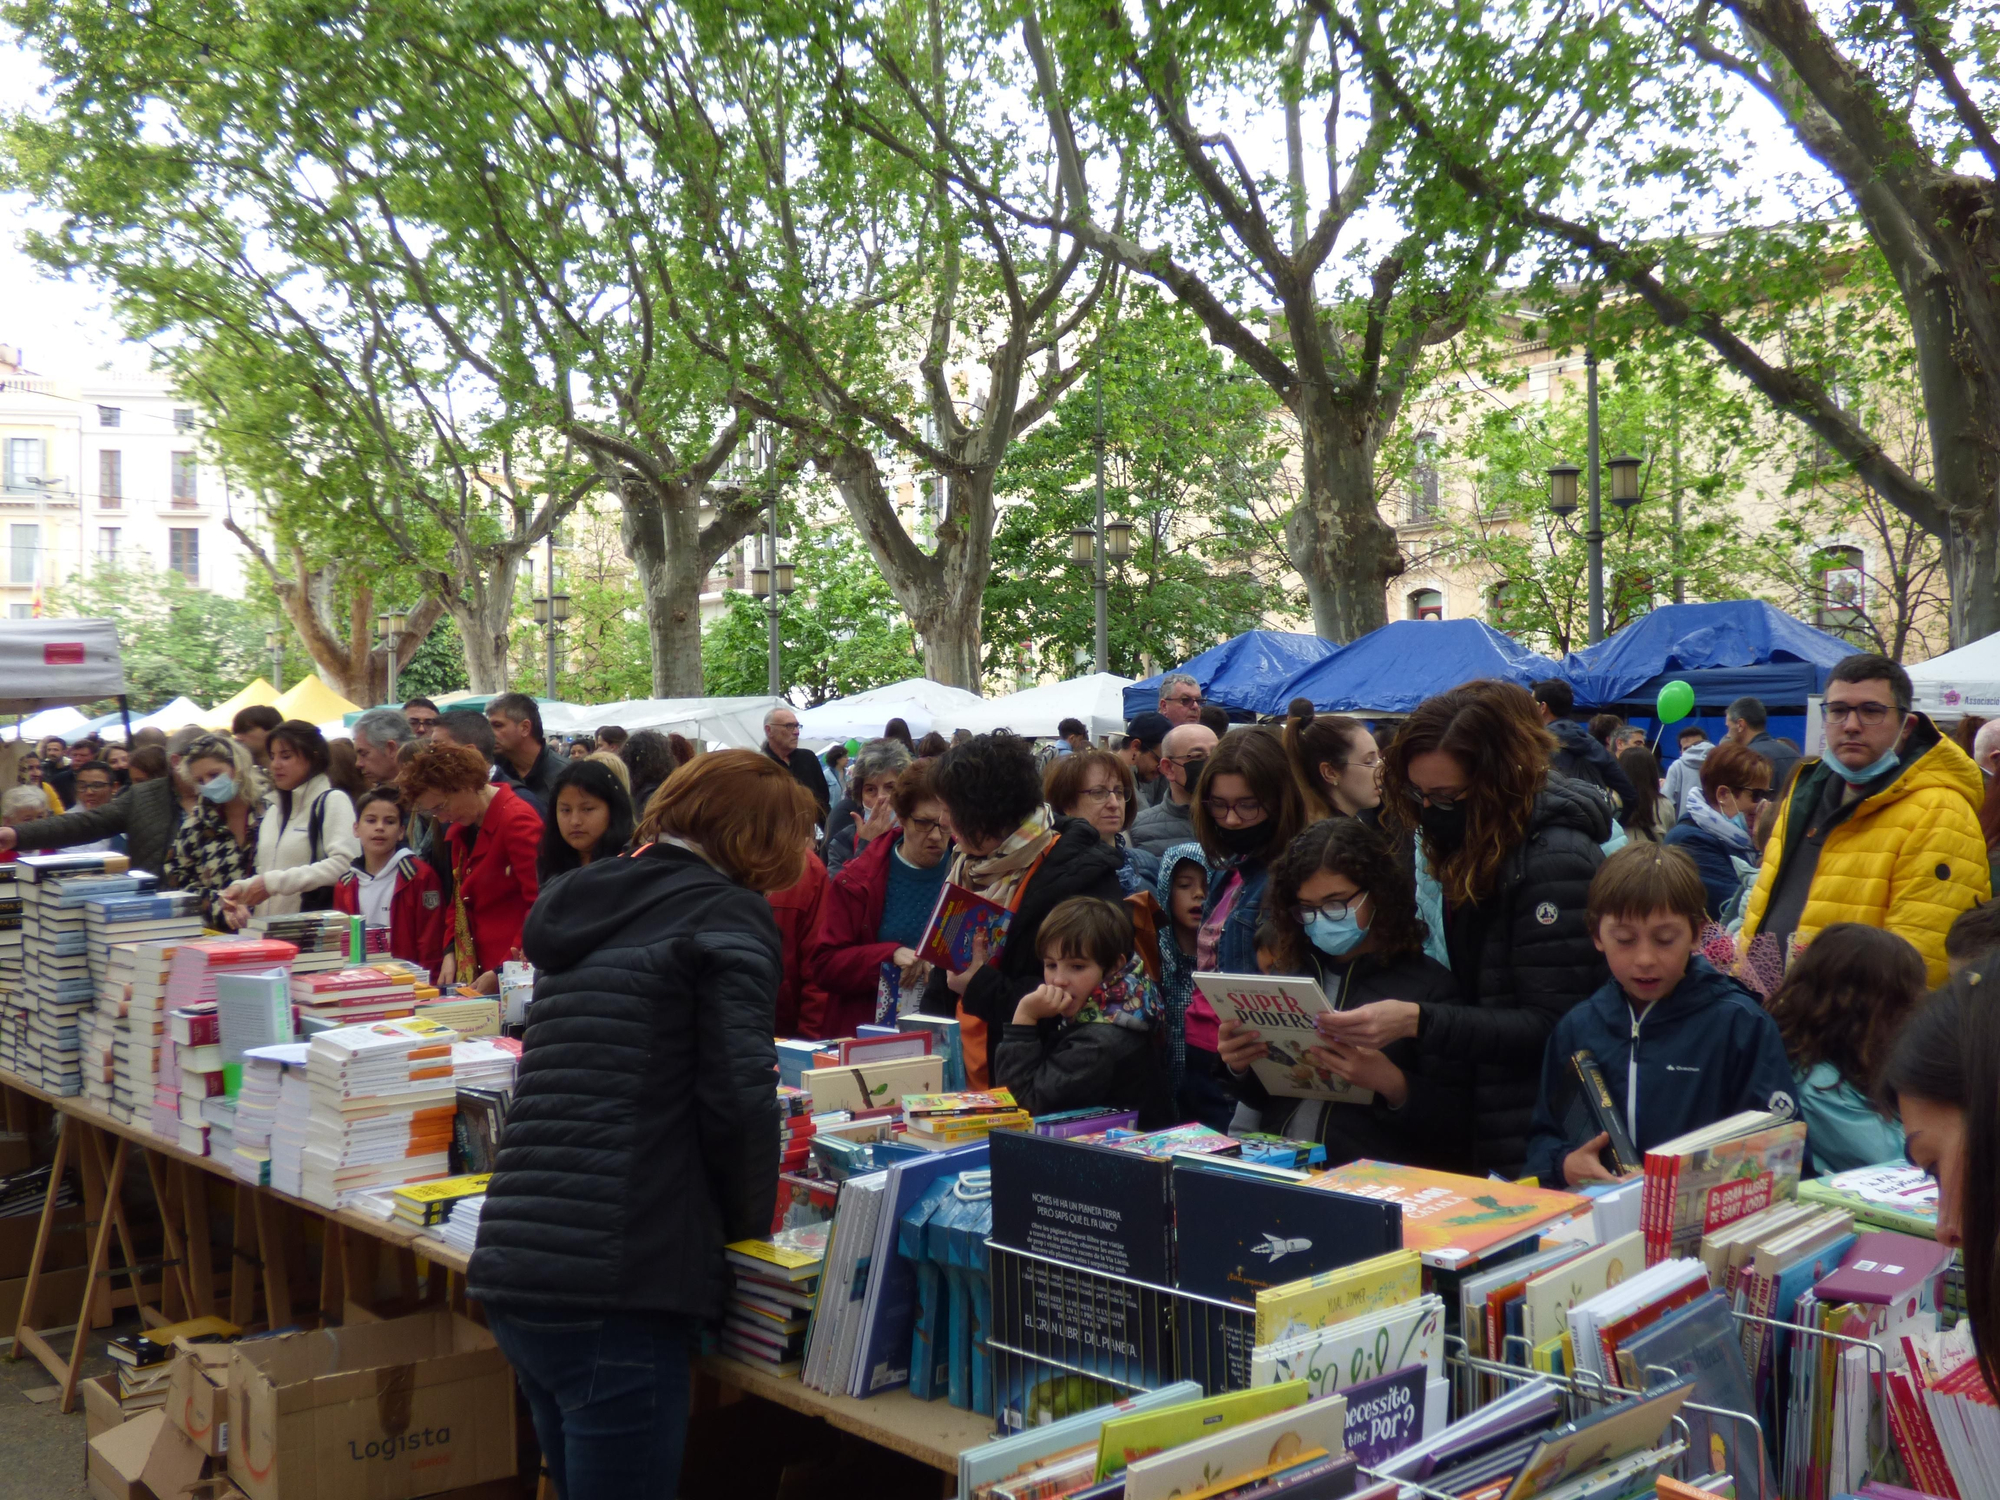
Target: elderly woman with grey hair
{"x": 871, "y": 785}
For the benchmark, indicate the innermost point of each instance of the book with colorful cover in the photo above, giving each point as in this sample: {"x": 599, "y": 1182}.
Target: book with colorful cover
{"x": 1385, "y": 1415}
{"x": 1365, "y": 1347}
{"x": 959, "y": 917}
{"x": 1298, "y": 1307}
{"x": 1727, "y": 1171}
{"x": 1894, "y": 1195}
{"x": 1282, "y": 1011}
{"x": 1198, "y": 1139}
{"x": 1126, "y": 1439}
{"x": 1549, "y": 1296}
{"x": 1450, "y": 1220}
{"x": 1702, "y": 1341}
{"x": 1216, "y": 1462}
{"x": 975, "y": 1102}
{"x": 872, "y": 1085}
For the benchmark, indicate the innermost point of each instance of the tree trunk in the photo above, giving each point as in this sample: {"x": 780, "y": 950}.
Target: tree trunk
{"x": 1972, "y": 568}
{"x": 662, "y": 541}
{"x": 481, "y": 601}
{"x": 1340, "y": 544}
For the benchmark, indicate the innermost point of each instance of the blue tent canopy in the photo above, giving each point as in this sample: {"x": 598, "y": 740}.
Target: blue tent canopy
{"x": 1723, "y": 651}
{"x": 1245, "y": 673}
{"x": 1392, "y": 670}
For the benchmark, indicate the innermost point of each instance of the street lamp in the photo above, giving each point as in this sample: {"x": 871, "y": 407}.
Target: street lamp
{"x": 551, "y": 617}
{"x": 274, "y": 642}
{"x": 392, "y": 624}
{"x": 1106, "y": 541}
{"x": 1624, "y": 494}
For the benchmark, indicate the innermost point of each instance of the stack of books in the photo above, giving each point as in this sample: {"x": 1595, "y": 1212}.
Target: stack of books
{"x": 325, "y": 939}
{"x": 145, "y": 1360}
{"x": 353, "y": 996}
{"x": 460, "y": 1230}
{"x": 288, "y": 1126}
{"x": 468, "y": 1015}
{"x": 426, "y": 1205}
{"x": 133, "y": 993}
{"x": 795, "y": 1128}
{"x": 97, "y": 1036}
{"x": 264, "y": 1069}
{"x": 56, "y": 983}
{"x": 482, "y": 1063}
{"x": 10, "y": 929}
{"x": 187, "y": 1030}
{"x": 160, "y": 917}
{"x": 192, "y": 972}
{"x": 774, "y": 1283}
{"x": 1698, "y": 1182}
{"x": 381, "y": 1113}
{"x": 938, "y": 1122}
{"x": 24, "y": 1193}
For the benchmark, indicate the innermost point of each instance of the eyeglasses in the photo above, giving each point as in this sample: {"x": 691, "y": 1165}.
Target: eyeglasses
{"x": 1870, "y": 714}
{"x": 1442, "y": 801}
{"x": 1185, "y": 762}
{"x": 1367, "y": 762}
{"x": 1755, "y": 793}
{"x": 1333, "y": 911}
{"x": 924, "y": 826}
{"x": 1248, "y": 809}
{"x": 1186, "y": 700}
{"x": 1101, "y": 794}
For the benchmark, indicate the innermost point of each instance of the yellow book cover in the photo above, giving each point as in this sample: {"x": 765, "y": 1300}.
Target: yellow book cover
{"x": 193, "y": 1328}
{"x": 1335, "y": 1296}
{"x": 1548, "y": 1357}
{"x": 444, "y": 1187}
{"x": 1452, "y": 1220}
{"x": 777, "y": 1255}
{"x": 1124, "y": 1439}
{"x": 1291, "y": 1460}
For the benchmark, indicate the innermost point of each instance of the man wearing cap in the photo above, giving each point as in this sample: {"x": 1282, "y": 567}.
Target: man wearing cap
{"x": 1142, "y": 751}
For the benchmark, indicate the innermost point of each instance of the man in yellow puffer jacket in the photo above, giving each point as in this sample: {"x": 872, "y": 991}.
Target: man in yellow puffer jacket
{"x": 1883, "y": 830}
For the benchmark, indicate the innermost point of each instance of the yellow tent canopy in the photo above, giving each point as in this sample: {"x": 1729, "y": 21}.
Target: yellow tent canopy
{"x": 256, "y": 692}
{"x": 313, "y": 701}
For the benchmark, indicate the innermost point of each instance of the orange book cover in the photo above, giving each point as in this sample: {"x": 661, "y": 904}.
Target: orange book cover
{"x": 1449, "y": 1219}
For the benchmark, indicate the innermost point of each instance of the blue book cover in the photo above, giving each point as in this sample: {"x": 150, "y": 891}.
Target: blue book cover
{"x": 147, "y": 908}
{"x": 1703, "y": 1340}
{"x": 1088, "y": 1205}
{"x": 893, "y": 1303}
{"x": 1385, "y": 1415}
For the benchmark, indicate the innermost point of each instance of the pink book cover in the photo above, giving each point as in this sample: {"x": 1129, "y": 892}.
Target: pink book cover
{"x": 1883, "y": 1268}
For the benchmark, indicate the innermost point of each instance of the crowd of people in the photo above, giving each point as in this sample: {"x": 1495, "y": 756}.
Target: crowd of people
{"x": 1479, "y": 890}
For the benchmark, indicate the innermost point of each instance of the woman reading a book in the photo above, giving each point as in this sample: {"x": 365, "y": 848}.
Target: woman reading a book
{"x": 1340, "y": 910}
{"x": 643, "y": 1135}
{"x": 864, "y": 953}
{"x": 215, "y": 845}
{"x": 1504, "y": 853}
{"x": 1016, "y": 855}
{"x": 1247, "y": 810}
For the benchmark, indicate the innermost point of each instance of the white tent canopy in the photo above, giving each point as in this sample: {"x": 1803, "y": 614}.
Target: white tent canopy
{"x": 176, "y": 715}
{"x": 64, "y": 721}
{"x": 1098, "y": 700}
{"x": 1965, "y": 681}
{"x": 723, "y": 723}
{"x": 920, "y": 703}
{"x": 49, "y": 663}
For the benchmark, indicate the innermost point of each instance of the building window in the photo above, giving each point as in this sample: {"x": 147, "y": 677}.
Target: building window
{"x": 1426, "y": 604}
{"x": 1500, "y": 601}
{"x": 184, "y": 552}
{"x": 1840, "y": 589}
{"x": 110, "y": 478}
{"x": 183, "y": 419}
{"x": 25, "y": 611}
{"x": 107, "y": 546}
{"x": 24, "y": 547}
{"x": 1423, "y": 493}
{"x": 184, "y": 494}
{"x": 24, "y": 466}
{"x": 109, "y": 416}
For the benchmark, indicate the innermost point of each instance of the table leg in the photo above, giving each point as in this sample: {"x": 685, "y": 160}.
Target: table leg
{"x": 114, "y": 1205}
{"x": 26, "y": 1322}
{"x": 273, "y": 1249}
{"x": 332, "y": 1272}
{"x": 200, "y": 1259}
{"x": 67, "y": 1371}
{"x": 176, "y": 1295}
{"x": 91, "y": 1165}
{"x": 244, "y": 1262}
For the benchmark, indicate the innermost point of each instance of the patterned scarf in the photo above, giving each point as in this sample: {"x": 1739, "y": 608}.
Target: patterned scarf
{"x": 1127, "y": 998}
{"x": 998, "y": 876}
{"x": 461, "y": 924}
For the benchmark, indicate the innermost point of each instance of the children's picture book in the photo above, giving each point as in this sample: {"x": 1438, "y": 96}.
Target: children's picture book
{"x": 1385, "y": 1415}
{"x": 1598, "y": 1439}
{"x": 1343, "y": 1355}
{"x": 1282, "y": 1011}
{"x": 1452, "y": 1221}
{"x": 1294, "y": 1307}
{"x": 855, "y": 1051}
{"x": 872, "y": 1085}
{"x": 1549, "y": 1296}
{"x": 1090, "y": 1206}
{"x": 986, "y": 1464}
{"x": 1125, "y": 1440}
{"x": 1894, "y": 1195}
{"x": 1714, "y": 1176}
{"x": 959, "y": 917}
{"x": 1207, "y": 1464}
{"x": 1236, "y": 1237}
{"x": 1701, "y": 1342}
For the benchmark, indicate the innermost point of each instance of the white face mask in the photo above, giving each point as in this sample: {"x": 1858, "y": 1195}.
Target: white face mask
{"x": 219, "y": 789}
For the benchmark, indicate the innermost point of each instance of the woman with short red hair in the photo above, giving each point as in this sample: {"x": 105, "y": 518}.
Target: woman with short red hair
{"x": 494, "y": 837}
{"x": 643, "y": 1135}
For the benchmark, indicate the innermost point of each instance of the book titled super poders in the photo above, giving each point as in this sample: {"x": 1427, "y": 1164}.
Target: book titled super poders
{"x": 1283, "y": 1012}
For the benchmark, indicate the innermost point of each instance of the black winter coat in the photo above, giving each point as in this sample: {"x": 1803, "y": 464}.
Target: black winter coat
{"x": 1522, "y": 958}
{"x": 1434, "y": 1126}
{"x": 1580, "y": 756}
{"x": 1052, "y": 1066}
{"x": 644, "y": 1131}
{"x": 1079, "y": 864}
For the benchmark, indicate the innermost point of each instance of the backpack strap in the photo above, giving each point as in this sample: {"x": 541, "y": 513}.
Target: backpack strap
{"x": 316, "y": 828}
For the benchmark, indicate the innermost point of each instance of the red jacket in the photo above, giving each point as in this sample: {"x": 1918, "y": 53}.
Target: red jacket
{"x": 497, "y": 880}
{"x": 796, "y": 909}
{"x": 844, "y": 958}
{"x": 417, "y": 909}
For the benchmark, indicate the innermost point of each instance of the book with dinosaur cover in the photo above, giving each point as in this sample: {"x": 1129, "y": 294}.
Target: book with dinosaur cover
{"x": 1453, "y": 1221}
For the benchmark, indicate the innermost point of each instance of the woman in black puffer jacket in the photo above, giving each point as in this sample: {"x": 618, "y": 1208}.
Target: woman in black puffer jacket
{"x": 644, "y": 1130}
{"x": 1505, "y": 851}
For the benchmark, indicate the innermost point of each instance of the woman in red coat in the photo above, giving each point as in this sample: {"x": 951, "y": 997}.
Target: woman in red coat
{"x": 797, "y": 910}
{"x": 494, "y": 837}
{"x": 874, "y": 914}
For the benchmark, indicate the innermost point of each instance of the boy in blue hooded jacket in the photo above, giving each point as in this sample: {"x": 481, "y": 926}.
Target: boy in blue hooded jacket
{"x": 1679, "y": 1044}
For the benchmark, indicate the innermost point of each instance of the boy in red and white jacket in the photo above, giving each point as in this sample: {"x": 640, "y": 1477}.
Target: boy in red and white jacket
{"x": 390, "y": 887}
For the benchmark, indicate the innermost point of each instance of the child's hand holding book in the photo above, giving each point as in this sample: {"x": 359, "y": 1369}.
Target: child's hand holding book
{"x": 1586, "y": 1163}
{"x": 1240, "y": 1046}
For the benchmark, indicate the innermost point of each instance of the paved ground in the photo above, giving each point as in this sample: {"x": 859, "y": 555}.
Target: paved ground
{"x": 41, "y": 1450}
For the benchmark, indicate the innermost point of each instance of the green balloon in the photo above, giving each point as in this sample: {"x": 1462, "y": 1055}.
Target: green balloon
{"x": 854, "y": 746}
{"x": 1676, "y": 702}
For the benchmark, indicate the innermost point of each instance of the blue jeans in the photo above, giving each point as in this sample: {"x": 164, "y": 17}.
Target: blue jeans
{"x": 609, "y": 1398}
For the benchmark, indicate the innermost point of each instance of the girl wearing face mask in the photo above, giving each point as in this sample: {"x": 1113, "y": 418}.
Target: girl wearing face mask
{"x": 1339, "y": 909}
{"x": 1716, "y": 822}
{"x": 1247, "y": 809}
{"x": 216, "y": 844}
{"x": 1504, "y": 854}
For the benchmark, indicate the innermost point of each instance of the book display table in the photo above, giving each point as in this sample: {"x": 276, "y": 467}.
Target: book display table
{"x": 931, "y": 1432}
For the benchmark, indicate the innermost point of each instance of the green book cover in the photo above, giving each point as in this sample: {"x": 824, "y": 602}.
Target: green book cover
{"x": 1126, "y": 1438}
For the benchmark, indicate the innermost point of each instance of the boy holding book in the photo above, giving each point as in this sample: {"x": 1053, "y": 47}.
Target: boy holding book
{"x": 1677, "y": 1044}
{"x": 390, "y": 888}
{"x": 1086, "y": 1036}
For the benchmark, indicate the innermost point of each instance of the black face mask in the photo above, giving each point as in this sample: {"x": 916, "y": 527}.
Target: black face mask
{"x": 1243, "y": 841}
{"x": 1444, "y": 827}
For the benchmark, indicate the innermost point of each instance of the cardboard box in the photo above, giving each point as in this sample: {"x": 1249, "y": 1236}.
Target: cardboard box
{"x": 174, "y": 1465}
{"x": 67, "y": 1245}
{"x": 115, "y": 1464}
{"x": 198, "y": 1397}
{"x": 380, "y": 1411}
{"x": 100, "y": 1405}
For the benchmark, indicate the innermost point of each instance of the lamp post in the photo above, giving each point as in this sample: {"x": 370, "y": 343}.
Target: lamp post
{"x": 274, "y": 642}
{"x": 1105, "y": 542}
{"x": 392, "y": 624}
{"x": 1624, "y": 494}
{"x": 770, "y": 582}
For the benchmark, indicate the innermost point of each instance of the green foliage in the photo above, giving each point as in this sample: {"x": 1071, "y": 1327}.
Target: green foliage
{"x": 841, "y": 632}
{"x": 176, "y": 638}
{"x": 437, "y": 668}
{"x": 1192, "y": 458}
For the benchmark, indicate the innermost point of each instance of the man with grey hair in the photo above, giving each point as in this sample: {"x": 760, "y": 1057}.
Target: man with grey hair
{"x": 379, "y": 736}
{"x": 872, "y": 784}
{"x": 781, "y": 743}
{"x": 1183, "y": 753}
{"x": 1986, "y": 748}
{"x": 1180, "y": 698}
